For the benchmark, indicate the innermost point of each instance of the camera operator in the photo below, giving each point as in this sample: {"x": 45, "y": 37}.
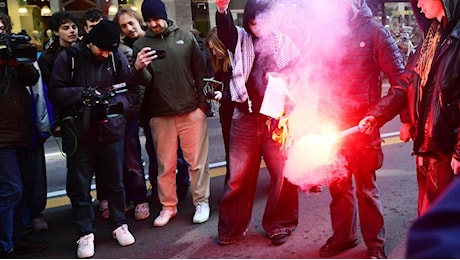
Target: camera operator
{"x": 93, "y": 126}
{"x": 15, "y": 145}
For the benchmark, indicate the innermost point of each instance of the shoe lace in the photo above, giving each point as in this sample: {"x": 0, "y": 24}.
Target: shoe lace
{"x": 122, "y": 230}
{"x": 85, "y": 240}
{"x": 199, "y": 208}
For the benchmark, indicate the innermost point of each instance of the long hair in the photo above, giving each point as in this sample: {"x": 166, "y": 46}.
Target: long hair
{"x": 219, "y": 47}
{"x": 130, "y": 12}
{"x": 6, "y": 20}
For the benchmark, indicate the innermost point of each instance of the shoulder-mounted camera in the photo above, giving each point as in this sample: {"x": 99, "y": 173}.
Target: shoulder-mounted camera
{"x": 16, "y": 46}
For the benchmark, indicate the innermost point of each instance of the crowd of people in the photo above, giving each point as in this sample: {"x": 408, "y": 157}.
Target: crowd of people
{"x": 95, "y": 89}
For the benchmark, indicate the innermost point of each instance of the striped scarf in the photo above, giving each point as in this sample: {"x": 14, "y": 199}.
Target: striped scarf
{"x": 425, "y": 59}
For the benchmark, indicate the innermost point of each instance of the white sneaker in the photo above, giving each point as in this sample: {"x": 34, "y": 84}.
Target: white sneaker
{"x": 201, "y": 213}
{"x": 164, "y": 217}
{"x": 123, "y": 236}
{"x": 142, "y": 211}
{"x": 85, "y": 246}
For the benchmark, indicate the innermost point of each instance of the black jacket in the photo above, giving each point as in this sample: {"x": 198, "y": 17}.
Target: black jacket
{"x": 356, "y": 76}
{"x": 434, "y": 112}
{"x": 66, "y": 91}
{"x": 15, "y": 105}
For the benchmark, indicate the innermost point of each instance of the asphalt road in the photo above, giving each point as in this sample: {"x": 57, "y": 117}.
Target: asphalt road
{"x": 182, "y": 239}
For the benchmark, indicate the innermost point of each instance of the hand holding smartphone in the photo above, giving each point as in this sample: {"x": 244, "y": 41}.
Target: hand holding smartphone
{"x": 161, "y": 53}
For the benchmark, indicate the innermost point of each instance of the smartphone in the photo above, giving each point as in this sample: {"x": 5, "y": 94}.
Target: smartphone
{"x": 161, "y": 53}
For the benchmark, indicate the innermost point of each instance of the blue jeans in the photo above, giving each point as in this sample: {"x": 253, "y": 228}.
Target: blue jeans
{"x": 80, "y": 168}
{"x": 37, "y": 183}
{"x": 348, "y": 203}
{"x": 14, "y": 162}
{"x": 254, "y": 141}
{"x": 133, "y": 174}
{"x": 182, "y": 177}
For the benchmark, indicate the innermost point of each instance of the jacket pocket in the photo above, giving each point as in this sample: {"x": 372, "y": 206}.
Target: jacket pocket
{"x": 112, "y": 130}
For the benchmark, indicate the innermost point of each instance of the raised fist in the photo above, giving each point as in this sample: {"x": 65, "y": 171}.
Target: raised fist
{"x": 222, "y": 5}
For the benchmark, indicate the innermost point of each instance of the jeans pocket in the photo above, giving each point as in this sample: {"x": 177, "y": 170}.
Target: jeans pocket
{"x": 374, "y": 159}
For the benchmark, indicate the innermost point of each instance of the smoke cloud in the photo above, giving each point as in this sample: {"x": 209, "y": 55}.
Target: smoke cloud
{"x": 316, "y": 27}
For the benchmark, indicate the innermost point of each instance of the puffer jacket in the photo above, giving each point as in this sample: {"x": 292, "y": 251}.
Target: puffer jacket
{"x": 370, "y": 51}
{"x": 173, "y": 85}
{"x": 65, "y": 92}
{"x": 356, "y": 80}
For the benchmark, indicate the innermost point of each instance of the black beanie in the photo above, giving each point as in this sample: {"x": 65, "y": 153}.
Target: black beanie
{"x": 153, "y": 9}
{"x": 252, "y": 9}
{"x": 105, "y": 35}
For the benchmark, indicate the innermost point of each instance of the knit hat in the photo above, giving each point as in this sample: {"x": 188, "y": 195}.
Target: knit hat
{"x": 252, "y": 9}
{"x": 105, "y": 35}
{"x": 153, "y": 9}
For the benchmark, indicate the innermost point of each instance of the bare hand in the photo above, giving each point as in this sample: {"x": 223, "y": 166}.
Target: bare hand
{"x": 367, "y": 124}
{"x": 455, "y": 165}
{"x": 222, "y": 5}
{"x": 404, "y": 132}
{"x": 144, "y": 57}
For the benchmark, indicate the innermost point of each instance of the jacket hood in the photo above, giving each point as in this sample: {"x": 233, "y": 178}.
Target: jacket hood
{"x": 361, "y": 12}
{"x": 252, "y": 9}
{"x": 451, "y": 8}
{"x": 171, "y": 27}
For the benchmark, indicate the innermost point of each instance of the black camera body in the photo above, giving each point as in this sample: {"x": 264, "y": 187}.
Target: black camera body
{"x": 96, "y": 103}
{"x": 16, "y": 46}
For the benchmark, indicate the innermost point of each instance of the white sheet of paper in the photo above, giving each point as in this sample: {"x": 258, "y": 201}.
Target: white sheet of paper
{"x": 274, "y": 98}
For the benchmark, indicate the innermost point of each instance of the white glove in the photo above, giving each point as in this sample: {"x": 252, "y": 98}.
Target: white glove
{"x": 218, "y": 95}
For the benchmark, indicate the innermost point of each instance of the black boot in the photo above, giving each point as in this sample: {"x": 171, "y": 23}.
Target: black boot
{"x": 24, "y": 246}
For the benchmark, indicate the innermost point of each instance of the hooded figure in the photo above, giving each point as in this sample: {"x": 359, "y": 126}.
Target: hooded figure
{"x": 251, "y": 64}
{"x": 354, "y": 83}
{"x": 252, "y": 9}
{"x": 432, "y": 81}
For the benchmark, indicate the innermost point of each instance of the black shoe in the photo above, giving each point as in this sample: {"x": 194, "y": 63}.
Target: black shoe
{"x": 279, "y": 239}
{"x": 376, "y": 253}
{"x": 333, "y": 247}
{"x": 24, "y": 246}
{"x": 11, "y": 254}
{"x": 182, "y": 192}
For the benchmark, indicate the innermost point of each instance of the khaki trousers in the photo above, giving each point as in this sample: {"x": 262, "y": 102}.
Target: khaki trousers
{"x": 192, "y": 130}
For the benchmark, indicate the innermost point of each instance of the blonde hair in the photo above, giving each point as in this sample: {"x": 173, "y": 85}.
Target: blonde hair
{"x": 219, "y": 47}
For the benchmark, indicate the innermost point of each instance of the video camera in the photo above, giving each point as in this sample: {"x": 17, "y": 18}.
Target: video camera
{"x": 96, "y": 105}
{"x": 16, "y": 46}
